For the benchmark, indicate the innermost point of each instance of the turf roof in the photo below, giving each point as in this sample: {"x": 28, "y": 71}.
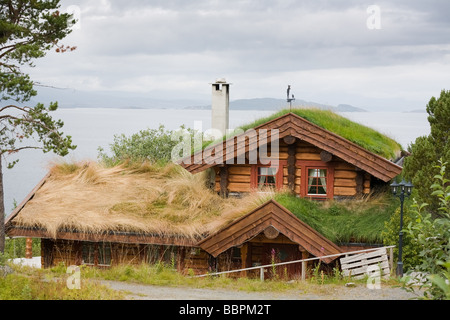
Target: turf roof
{"x": 365, "y": 137}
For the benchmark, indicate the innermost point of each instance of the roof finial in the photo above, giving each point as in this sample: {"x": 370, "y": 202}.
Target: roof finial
{"x": 290, "y": 99}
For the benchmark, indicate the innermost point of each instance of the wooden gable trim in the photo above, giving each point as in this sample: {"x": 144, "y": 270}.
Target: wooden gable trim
{"x": 270, "y": 214}
{"x": 30, "y": 196}
{"x": 295, "y": 126}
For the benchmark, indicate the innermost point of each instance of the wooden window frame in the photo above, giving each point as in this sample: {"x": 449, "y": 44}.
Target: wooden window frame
{"x": 304, "y": 167}
{"x": 278, "y": 175}
{"x": 96, "y": 253}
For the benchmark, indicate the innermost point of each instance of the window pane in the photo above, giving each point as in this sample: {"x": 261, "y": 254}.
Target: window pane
{"x": 317, "y": 181}
{"x": 266, "y": 177}
{"x": 104, "y": 253}
{"x": 88, "y": 253}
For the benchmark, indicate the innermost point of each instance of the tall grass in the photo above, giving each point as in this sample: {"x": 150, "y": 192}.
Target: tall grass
{"x": 34, "y": 284}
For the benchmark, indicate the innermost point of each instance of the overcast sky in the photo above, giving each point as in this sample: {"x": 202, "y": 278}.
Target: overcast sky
{"x": 393, "y": 56}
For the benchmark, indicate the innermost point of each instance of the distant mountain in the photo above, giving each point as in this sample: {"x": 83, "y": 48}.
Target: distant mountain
{"x": 69, "y": 98}
{"x": 268, "y": 104}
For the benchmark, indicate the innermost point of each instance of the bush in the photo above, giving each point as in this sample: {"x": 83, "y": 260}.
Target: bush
{"x": 390, "y": 237}
{"x": 432, "y": 235}
{"x": 153, "y": 145}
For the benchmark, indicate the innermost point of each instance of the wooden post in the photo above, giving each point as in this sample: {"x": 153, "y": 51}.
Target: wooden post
{"x": 244, "y": 250}
{"x": 304, "y": 264}
{"x": 223, "y": 181}
{"x": 291, "y": 167}
{"x": 261, "y": 273}
{"x": 29, "y": 248}
{"x": 391, "y": 259}
{"x": 359, "y": 182}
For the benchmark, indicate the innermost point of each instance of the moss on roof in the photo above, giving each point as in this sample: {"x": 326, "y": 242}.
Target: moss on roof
{"x": 359, "y": 134}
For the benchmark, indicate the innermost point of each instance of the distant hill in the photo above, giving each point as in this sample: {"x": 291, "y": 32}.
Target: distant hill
{"x": 268, "y": 104}
{"x": 69, "y": 98}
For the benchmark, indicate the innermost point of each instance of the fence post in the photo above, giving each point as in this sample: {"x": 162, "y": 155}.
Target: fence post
{"x": 391, "y": 258}
{"x": 261, "y": 275}
{"x": 303, "y": 270}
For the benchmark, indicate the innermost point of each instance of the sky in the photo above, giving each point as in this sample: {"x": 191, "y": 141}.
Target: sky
{"x": 382, "y": 56}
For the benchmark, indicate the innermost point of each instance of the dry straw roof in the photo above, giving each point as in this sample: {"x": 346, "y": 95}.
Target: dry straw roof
{"x": 162, "y": 201}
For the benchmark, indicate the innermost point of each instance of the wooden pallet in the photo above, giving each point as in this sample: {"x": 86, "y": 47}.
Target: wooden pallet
{"x": 361, "y": 265}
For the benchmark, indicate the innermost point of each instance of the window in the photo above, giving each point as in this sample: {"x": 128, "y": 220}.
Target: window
{"x": 104, "y": 254}
{"x": 267, "y": 177}
{"x": 317, "y": 179}
{"x": 317, "y": 182}
{"x": 95, "y": 253}
{"x": 88, "y": 253}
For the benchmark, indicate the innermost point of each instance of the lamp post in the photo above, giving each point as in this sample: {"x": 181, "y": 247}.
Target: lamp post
{"x": 401, "y": 190}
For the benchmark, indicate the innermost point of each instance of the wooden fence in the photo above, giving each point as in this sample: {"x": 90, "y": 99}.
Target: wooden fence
{"x": 303, "y": 261}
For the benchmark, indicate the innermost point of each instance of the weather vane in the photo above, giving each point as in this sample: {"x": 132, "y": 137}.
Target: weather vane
{"x": 290, "y": 98}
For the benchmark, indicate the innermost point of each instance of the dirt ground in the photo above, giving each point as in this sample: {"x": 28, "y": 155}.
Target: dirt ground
{"x": 359, "y": 292}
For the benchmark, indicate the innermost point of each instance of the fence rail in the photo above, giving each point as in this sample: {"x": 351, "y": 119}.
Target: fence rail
{"x": 303, "y": 261}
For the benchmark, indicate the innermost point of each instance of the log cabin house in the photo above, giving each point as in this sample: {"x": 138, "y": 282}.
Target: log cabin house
{"x": 92, "y": 215}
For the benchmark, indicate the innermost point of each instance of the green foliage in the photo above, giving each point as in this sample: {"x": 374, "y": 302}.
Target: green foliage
{"x": 432, "y": 235}
{"x": 390, "y": 237}
{"x": 28, "y": 29}
{"x": 153, "y": 145}
{"x": 421, "y": 166}
{"x": 442, "y": 282}
{"x": 15, "y": 248}
{"x": 32, "y": 285}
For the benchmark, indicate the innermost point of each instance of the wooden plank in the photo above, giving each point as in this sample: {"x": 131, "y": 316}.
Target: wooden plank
{"x": 366, "y": 255}
{"x": 344, "y": 191}
{"x": 239, "y": 169}
{"x": 340, "y": 182}
{"x": 364, "y": 262}
{"x": 344, "y": 174}
{"x": 307, "y": 156}
{"x": 239, "y": 178}
{"x": 239, "y": 187}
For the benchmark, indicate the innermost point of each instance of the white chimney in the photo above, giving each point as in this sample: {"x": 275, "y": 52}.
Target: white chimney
{"x": 220, "y": 105}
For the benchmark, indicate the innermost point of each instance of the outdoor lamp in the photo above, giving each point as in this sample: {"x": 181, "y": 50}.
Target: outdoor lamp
{"x": 394, "y": 188}
{"x": 401, "y": 190}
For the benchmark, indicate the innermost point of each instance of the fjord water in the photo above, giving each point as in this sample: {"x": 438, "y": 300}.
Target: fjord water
{"x": 91, "y": 128}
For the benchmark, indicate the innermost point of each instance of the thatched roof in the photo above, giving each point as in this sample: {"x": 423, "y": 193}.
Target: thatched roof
{"x": 144, "y": 199}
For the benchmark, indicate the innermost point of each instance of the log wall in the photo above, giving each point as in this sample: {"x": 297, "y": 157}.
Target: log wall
{"x": 345, "y": 182}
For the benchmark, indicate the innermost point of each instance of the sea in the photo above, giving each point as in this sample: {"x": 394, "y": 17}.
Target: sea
{"x": 92, "y": 128}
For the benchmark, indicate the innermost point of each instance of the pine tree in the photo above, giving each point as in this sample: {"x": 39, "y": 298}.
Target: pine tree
{"x": 426, "y": 151}
{"x": 28, "y": 30}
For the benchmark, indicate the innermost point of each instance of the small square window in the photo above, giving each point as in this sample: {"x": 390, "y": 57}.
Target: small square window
{"x": 317, "y": 182}
{"x": 266, "y": 177}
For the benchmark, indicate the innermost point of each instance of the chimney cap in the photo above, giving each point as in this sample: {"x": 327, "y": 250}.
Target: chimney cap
{"x": 221, "y": 80}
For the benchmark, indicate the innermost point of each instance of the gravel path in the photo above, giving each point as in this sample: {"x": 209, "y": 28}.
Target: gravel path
{"x": 359, "y": 292}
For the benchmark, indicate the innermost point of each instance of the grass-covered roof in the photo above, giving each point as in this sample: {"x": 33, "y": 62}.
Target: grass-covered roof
{"x": 169, "y": 201}
{"x": 367, "y": 138}
{"x": 359, "y": 134}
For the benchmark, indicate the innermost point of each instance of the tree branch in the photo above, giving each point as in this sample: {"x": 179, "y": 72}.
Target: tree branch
{"x": 24, "y": 109}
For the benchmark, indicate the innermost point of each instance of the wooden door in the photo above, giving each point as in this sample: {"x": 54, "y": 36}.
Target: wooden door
{"x": 276, "y": 253}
